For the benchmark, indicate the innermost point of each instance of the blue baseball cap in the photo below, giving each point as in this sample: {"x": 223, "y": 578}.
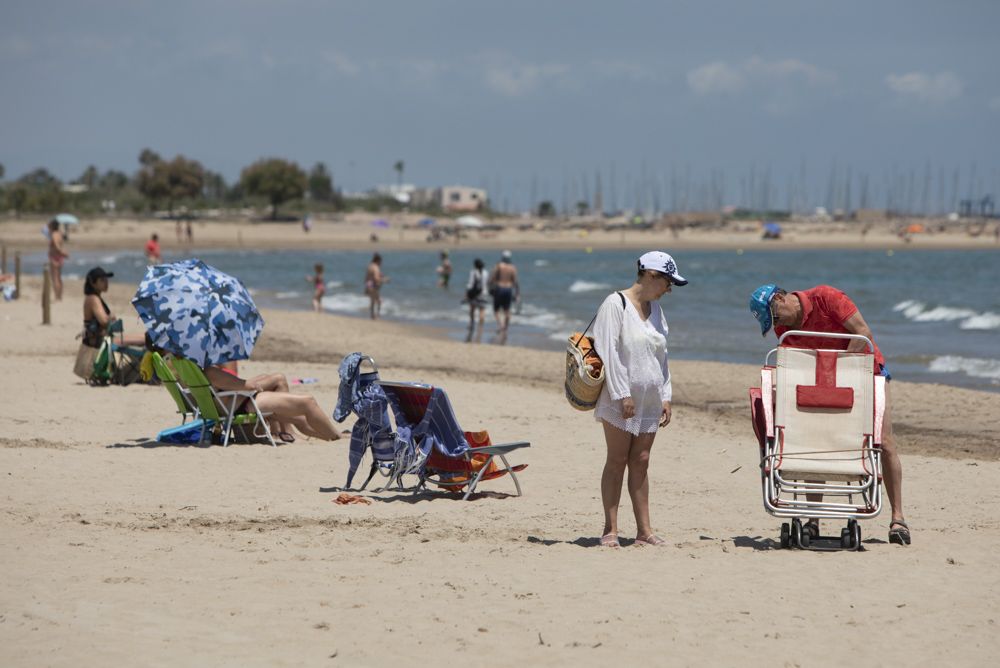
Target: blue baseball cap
{"x": 760, "y": 305}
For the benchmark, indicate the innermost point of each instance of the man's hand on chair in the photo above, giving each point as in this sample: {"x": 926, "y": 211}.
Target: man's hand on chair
{"x": 665, "y": 416}
{"x": 628, "y": 408}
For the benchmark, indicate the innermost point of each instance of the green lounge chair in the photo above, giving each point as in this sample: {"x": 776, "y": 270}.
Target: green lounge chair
{"x": 187, "y": 408}
{"x": 209, "y": 402}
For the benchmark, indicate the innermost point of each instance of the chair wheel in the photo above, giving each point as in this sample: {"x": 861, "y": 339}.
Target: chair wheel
{"x": 785, "y": 535}
{"x": 856, "y": 536}
{"x": 804, "y": 538}
{"x": 845, "y": 538}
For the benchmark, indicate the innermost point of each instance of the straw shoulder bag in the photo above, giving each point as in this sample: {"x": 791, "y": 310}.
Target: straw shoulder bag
{"x": 584, "y": 369}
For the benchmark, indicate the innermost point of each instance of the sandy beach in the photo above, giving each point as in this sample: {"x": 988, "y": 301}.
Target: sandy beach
{"x": 119, "y": 551}
{"x": 352, "y": 232}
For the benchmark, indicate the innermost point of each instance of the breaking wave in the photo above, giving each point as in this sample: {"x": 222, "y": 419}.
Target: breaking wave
{"x": 587, "y": 286}
{"x": 970, "y": 366}
{"x": 916, "y": 311}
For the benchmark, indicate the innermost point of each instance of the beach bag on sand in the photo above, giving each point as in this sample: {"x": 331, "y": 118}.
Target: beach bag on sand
{"x": 584, "y": 369}
{"x": 85, "y": 357}
{"x": 95, "y": 365}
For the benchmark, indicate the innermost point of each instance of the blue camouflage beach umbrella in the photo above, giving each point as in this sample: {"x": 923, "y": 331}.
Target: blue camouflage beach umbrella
{"x": 197, "y": 311}
{"x": 381, "y": 222}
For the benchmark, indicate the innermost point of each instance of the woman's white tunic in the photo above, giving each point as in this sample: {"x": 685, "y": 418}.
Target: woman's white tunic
{"x": 634, "y": 353}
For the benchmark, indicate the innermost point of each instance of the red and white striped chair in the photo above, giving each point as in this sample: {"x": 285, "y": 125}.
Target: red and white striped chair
{"x": 818, "y": 420}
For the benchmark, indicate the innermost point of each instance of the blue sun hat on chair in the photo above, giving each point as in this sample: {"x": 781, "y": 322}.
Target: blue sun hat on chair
{"x": 760, "y": 305}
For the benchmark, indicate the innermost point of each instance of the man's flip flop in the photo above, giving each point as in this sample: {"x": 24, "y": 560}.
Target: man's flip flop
{"x": 901, "y": 534}
{"x": 286, "y": 437}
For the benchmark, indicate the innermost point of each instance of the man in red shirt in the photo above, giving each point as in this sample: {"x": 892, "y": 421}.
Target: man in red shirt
{"x": 827, "y": 309}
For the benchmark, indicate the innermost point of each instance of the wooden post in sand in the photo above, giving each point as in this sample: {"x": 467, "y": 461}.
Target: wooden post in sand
{"x": 17, "y": 274}
{"x": 46, "y": 296}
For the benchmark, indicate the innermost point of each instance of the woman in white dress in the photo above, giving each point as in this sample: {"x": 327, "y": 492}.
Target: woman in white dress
{"x": 630, "y": 334}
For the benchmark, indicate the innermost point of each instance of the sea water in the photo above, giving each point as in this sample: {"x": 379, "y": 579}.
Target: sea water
{"x": 935, "y": 313}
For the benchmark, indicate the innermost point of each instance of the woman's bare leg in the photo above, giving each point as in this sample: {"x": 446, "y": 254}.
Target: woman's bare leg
{"x": 619, "y": 443}
{"x": 638, "y": 482}
{"x": 286, "y": 407}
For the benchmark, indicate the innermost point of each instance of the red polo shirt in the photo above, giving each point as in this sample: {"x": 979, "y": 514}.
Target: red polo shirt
{"x": 824, "y": 309}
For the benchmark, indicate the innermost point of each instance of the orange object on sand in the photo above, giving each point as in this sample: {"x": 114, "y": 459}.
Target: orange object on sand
{"x": 454, "y": 473}
{"x": 345, "y": 499}
{"x": 586, "y": 346}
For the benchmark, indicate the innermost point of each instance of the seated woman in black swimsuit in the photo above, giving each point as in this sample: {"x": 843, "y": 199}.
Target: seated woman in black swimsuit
{"x": 97, "y": 317}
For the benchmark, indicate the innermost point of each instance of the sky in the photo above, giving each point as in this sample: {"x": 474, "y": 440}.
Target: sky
{"x": 523, "y": 97}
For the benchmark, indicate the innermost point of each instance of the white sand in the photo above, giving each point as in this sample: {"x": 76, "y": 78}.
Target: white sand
{"x": 118, "y": 552}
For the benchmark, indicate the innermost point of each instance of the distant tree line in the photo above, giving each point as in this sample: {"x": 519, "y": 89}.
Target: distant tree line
{"x": 174, "y": 186}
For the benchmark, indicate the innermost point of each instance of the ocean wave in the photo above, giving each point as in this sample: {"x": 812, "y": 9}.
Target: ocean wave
{"x": 970, "y": 366}
{"x": 588, "y": 286}
{"x": 291, "y": 294}
{"x": 982, "y": 321}
{"x": 348, "y": 302}
{"x": 353, "y": 304}
{"x": 916, "y": 311}
{"x": 554, "y": 322}
{"x": 541, "y": 263}
{"x": 334, "y": 284}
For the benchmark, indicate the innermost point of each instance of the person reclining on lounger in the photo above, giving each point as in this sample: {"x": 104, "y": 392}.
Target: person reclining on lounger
{"x": 827, "y": 309}
{"x": 272, "y": 396}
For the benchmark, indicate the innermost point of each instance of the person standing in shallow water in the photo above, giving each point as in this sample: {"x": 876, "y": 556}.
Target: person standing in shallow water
{"x": 374, "y": 279}
{"x": 57, "y": 258}
{"x": 319, "y": 286}
{"x": 506, "y": 290}
{"x": 444, "y": 270}
{"x": 630, "y": 334}
{"x": 475, "y": 297}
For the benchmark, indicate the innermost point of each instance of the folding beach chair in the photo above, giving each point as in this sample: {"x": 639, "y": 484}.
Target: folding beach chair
{"x": 186, "y": 406}
{"x": 818, "y": 420}
{"x": 393, "y": 455}
{"x": 220, "y": 407}
{"x": 456, "y": 459}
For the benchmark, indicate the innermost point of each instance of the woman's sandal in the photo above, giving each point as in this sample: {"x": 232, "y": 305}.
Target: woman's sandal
{"x": 285, "y": 437}
{"x": 651, "y": 539}
{"x": 900, "y": 535}
{"x": 610, "y": 540}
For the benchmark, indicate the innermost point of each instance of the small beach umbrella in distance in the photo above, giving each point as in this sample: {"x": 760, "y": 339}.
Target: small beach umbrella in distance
{"x": 67, "y": 219}
{"x": 195, "y": 310}
{"x": 380, "y": 222}
{"x": 426, "y": 222}
{"x": 469, "y": 221}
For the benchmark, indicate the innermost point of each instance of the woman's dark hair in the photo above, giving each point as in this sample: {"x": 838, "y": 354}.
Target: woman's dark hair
{"x": 478, "y": 263}
{"x": 376, "y": 258}
{"x": 88, "y": 288}
{"x": 53, "y": 224}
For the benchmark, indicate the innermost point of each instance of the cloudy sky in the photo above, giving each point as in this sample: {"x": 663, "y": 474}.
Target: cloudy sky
{"x": 519, "y": 96}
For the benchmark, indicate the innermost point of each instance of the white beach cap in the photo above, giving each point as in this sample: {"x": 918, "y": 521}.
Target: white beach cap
{"x": 506, "y": 255}
{"x": 663, "y": 263}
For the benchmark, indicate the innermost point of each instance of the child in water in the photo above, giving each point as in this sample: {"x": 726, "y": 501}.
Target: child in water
{"x": 320, "y": 286}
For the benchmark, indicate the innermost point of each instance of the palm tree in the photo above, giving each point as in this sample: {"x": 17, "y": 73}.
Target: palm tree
{"x": 399, "y": 166}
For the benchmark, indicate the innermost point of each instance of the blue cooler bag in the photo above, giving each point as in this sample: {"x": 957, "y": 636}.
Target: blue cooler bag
{"x": 186, "y": 434}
